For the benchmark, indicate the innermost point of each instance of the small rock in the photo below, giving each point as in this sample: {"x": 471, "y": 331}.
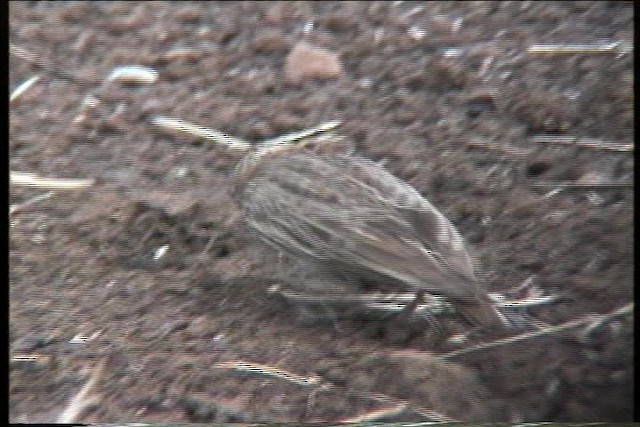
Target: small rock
{"x": 306, "y": 61}
{"x": 593, "y": 177}
{"x": 271, "y": 41}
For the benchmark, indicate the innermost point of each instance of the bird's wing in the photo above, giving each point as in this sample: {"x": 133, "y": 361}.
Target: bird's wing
{"x": 432, "y": 228}
{"x": 341, "y": 220}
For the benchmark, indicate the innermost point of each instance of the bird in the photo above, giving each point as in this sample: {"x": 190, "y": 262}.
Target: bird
{"x": 346, "y": 213}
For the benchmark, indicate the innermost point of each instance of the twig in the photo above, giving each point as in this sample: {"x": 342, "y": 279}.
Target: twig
{"x": 613, "y": 47}
{"x": 21, "y": 206}
{"x": 82, "y": 400}
{"x": 38, "y": 359}
{"x": 237, "y": 143}
{"x": 601, "y": 320}
{"x": 504, "y": 149}
{"x": 200, "y": 131}
{"x": 269, "y": 371}
{"x": 353, "y": 298}
{"x": 22, "y": 88}
{"x": 48, "y": 66}
{"x": 528, "y": 302}
{"x": 378, "y": 397}
{"x": 321, "y": 384}
{"x": 396, "y": 410}
{"x": 582, "y": 142}
{"x": 582, "y": 185}
{"x": 297, "y": 136}
{"x": 377, "y": 414}
{"x": 33, "y": 180}
{"x": 588, "y": 319}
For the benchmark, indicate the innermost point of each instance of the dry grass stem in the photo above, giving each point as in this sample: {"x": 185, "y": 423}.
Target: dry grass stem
{"x": 589, "y": 319}
{"x": 320, "y": 384}
{"x": 376, "y": 415}
{"x": 23, "y": 88}
{"x": 529, "y": 302}
{"x": 271, "y": 371}
{"x": 603, "y": 319}
{"x": 500, "y": 148}
{"x": 582, "y": 142}
{"x": 297, "y": 136}
{"x": 581, "y": 185}
{"x": 617, "y": 48}
{"x": 133, "y": 74}
{"x": 172, "y": 124}
{"x": 21, "y": 206}
{"x": 378, "y": 397}
{"x": 38, "y": 359}
{"x": 81, "y": 401}
{"x": 33, "y": 180}
{"x": 48, "y": 66}
{"x": 24, "y": 54}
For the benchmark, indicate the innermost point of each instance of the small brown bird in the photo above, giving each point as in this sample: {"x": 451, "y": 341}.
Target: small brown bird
{"x": 349, "y": 214}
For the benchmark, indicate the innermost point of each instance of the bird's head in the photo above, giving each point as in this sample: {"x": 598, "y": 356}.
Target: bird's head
{"x": 262, "y": 153}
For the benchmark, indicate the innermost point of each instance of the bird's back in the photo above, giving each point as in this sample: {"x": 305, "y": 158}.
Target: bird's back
{"x": 351, "y": 212}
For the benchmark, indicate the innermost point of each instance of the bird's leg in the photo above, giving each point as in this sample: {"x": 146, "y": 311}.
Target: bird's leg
{"x": 410, "y": 308}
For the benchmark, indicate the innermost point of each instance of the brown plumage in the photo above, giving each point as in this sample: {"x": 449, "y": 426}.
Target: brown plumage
{"x": 350, "y": 214}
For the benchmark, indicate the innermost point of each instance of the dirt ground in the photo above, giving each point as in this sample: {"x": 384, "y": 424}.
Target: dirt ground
{"x": 144, "y": 298}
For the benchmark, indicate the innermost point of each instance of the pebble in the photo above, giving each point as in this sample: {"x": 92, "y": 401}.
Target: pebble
{"x": 306, "y": 61}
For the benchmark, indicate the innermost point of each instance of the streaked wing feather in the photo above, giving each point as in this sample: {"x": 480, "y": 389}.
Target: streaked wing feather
{"x": 394, "y": 252}
{"x": 433, "y": 229}
{"x": 357, "y": 213}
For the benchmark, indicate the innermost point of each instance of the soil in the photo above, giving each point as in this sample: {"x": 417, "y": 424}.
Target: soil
{"x": 144, "y": 298}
